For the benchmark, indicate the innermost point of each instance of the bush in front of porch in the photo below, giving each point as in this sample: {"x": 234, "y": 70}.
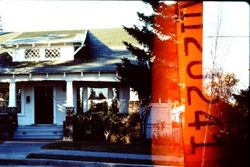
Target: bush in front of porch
{"x": 103, "y": 123}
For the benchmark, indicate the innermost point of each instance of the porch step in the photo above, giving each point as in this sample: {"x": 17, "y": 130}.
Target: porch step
{"x": 42, "y": 131}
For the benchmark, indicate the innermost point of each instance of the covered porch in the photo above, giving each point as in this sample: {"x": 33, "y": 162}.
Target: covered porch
{"x": 47, "y": 99}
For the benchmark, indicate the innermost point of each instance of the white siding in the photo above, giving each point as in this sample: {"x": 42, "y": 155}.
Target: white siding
{"x": 18, "y": 54}
{"x": 26, "y": 117}
{"x": 67, "y": 53}
{"x": 160, "y": 113}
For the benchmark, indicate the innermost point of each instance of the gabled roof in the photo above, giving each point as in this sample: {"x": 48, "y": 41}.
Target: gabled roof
{"x": 104, "y": 47}
{"x": 40, "y": 37}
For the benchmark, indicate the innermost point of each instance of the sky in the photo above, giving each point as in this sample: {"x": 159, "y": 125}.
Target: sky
{"x": 24, "y": 15}
{"x": 233, "y": 41}
{"x": 28, "y": 15}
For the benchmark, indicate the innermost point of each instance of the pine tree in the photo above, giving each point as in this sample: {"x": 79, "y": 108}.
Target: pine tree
{"x": 137, "y": 74}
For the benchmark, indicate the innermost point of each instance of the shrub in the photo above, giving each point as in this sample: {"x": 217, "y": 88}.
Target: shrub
{"x": 106, "y": 125}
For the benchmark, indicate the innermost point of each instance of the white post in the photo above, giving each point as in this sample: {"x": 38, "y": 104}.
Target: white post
{"x": 12, "y": 94}
{"x": 69, "y": 94}
{"x": 124, "y": 99}
{"x": 85, "y": 99}
{"x": 110, "y": 96}
{"x": 68, "y": 124}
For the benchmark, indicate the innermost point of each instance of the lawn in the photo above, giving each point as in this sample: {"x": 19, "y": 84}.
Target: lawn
{"x": 100, "y": 159}
{"x": 100, "y": 146}
{"x": 115, "y": 147}
{"x": 110, "y": 147}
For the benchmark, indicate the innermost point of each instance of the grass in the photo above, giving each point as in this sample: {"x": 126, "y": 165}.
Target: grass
{"x": 100, "y": 159}
{"x": 115, "y": 147}
{"x": 110, "y": 147}
{"x": 100, "y": 146}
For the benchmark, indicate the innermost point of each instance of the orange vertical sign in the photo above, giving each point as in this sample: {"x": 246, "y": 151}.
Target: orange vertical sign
{"x": 177, "y": 77}
{"x": 200, "y": 144}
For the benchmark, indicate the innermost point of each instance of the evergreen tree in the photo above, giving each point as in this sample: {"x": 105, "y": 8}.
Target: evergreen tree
{"x": 137, "y": 74}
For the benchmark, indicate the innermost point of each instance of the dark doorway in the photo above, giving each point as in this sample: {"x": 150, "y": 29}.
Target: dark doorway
{"x": 43, "y": 105}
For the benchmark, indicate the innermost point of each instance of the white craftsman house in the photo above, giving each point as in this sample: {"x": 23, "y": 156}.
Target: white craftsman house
{"x": 43, "y": 75}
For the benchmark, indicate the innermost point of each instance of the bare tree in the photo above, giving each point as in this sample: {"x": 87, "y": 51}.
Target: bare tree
{"x": 217, "y": 83}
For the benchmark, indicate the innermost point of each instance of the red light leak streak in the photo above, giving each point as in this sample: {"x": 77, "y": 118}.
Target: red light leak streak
{"x": 177, "y": 82}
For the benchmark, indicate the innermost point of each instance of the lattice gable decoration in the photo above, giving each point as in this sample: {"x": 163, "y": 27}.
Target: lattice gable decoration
{"x": 42, "y": 53}
{"x": 32, "y": 53}
{"x": 52, "y": 52}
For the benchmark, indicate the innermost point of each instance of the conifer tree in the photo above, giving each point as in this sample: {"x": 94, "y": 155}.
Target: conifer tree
{"x": 137, "y": 74}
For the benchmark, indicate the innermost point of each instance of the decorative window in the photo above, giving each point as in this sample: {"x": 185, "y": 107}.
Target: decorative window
{"x": 52, "y": 53}
{"x": 32, "y": 53}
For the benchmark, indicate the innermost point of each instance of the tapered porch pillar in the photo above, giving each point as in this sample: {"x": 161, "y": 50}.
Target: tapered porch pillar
{"x": 12, "y": 110}
{"x": 85, "y": 99}
{"x": 69, "y": 98}
{"x": 12, "y": 97}
{"x": 124, "y": 99}
{"x": 68, "y": 123}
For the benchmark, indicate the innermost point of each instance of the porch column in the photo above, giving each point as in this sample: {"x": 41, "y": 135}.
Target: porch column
{"x": 85, "y": 99}
{"x": 124, "y": 99}
{"x": 12, "y": 110}
{"x": 68, "y": 123}
{"x": 110, "y": 96}
{"x": 69, "y": 98}
{"x": 12, "y": 97}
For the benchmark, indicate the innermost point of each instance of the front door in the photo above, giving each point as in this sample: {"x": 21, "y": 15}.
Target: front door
{"x": 43, "y": 105}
